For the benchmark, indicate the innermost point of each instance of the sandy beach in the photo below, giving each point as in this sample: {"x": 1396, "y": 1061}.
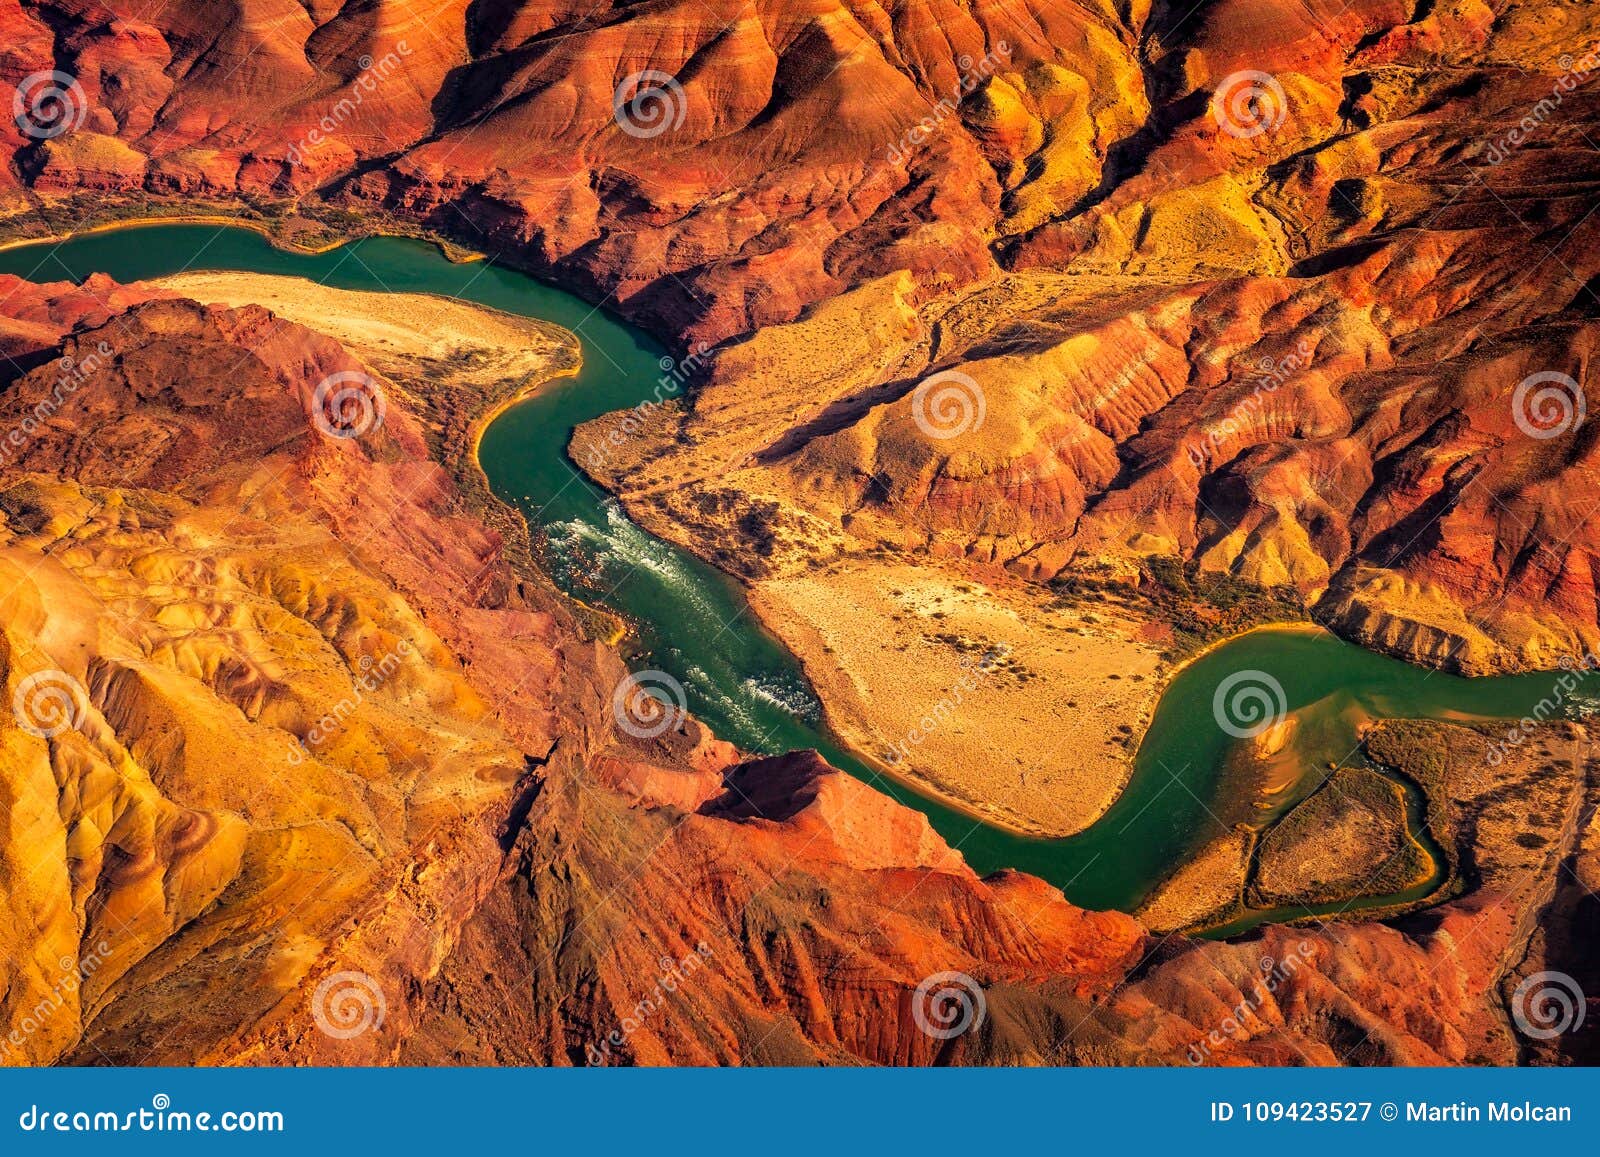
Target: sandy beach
{"x": 481, "y": 345}
{"x": 1206, "y": 886}
{"x": 1022, "y": 713}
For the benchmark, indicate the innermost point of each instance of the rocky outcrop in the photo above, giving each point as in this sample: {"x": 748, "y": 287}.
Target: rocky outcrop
{"x": 671, "y": 947}
{"x": 1296, "y": 310}
{"x": 290, "y": 781}
{"x": 679, "y": 168}
{"x": 1282, "y": 292}
{"x": 243, "y": 741}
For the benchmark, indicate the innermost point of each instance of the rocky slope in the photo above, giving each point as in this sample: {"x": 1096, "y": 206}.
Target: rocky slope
{"x": 812, "y": 944}
{"x": 236, "y": 650}
{"x": 1301, "y": 291}
{"x": 312, "y": 775}
{"x": 1313, "y": 251}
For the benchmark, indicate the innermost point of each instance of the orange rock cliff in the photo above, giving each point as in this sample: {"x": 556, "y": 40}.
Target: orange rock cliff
{"x": 1255, "y": 287}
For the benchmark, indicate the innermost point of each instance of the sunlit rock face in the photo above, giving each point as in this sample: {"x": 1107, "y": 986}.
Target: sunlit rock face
{"x": 237, "y": 718}
{"x": 1311, "y": 253}
{"x": 281, "y": 788}
{"x": 1299, "y": 291}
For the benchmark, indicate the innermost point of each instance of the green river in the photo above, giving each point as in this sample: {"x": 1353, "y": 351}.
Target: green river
{"x": 692, "y": 621}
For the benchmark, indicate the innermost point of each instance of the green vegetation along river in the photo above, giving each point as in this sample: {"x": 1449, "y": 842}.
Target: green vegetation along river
{"x": 692, "y": 622}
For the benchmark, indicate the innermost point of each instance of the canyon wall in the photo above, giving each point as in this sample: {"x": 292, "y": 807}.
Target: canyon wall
{"x": 1278, "y": 287}
{"x": 209, "y": 858}
{"x": 1301, "y": 292}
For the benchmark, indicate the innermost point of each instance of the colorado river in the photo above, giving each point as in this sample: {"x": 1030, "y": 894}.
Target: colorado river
{"x": 692, "y": 621}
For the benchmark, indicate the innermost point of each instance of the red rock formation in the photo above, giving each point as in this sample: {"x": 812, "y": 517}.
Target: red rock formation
{"x": 1358, "y": 181}
{"x": 627, "y": 900}
{"x": 808, "y": 945}
{"x": 1415, "y": 216}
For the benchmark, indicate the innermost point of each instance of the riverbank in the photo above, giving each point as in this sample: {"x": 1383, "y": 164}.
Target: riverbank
{"x": 480, "y": 346}
{"x": 966, "y": 688}
{"x": 1043, "y": 741}
{"x": 279, "y": 230}
{"x": 1467, "y": 818}
{"x": 462, "y": 364}
{"x": 693, "y": 624}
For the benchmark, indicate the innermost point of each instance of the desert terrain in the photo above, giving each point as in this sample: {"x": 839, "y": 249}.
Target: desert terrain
{"x": 1032, "y": 345}
{"x": 973, "y": 668}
